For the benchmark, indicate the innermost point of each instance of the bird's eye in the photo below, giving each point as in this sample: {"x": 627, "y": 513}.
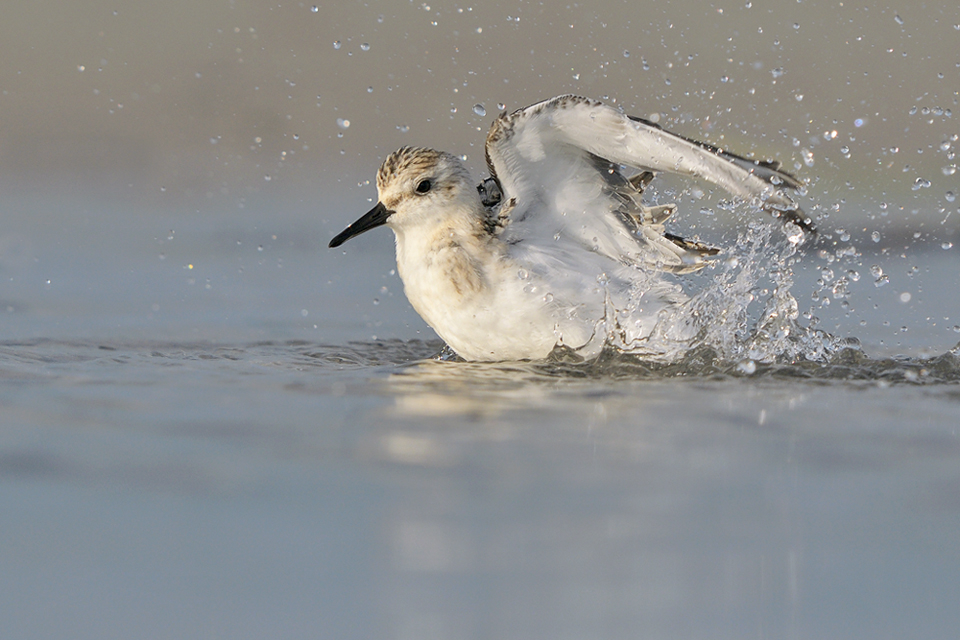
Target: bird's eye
{"x": 424, "y": 186}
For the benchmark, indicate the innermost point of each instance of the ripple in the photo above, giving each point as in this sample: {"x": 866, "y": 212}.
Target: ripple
{"x": 429, "y": 362}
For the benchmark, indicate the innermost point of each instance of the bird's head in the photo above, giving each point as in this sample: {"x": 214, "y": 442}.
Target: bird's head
{"x": 416, "y": 186}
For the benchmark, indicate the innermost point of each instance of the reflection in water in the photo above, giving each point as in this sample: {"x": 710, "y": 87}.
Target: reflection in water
{"x": 719, "y": 506}
{"x": 391, "y": 495}
{"x": 692, "y": 499}
{"x": 478, "y": 390}
{"x": 483, "y": 390}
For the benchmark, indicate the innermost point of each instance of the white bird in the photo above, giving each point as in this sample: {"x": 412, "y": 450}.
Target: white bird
{"x": 556, "y": 247}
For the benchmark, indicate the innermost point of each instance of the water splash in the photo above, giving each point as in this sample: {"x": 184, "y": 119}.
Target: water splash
{"x": 745, "y": 312}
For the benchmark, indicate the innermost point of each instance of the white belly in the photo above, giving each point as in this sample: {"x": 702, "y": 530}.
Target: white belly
{"x": 499, "y": 322}
{"x": 487, "y": 307}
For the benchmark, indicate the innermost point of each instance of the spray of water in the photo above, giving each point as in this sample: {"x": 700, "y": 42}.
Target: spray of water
{"x": 745, "y": 314}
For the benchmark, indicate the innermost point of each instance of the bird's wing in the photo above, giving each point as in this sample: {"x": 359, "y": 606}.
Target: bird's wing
{"x": 559, "y": 158}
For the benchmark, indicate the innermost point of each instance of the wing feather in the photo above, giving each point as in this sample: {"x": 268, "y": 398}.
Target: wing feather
{"x": 567, "y": 130}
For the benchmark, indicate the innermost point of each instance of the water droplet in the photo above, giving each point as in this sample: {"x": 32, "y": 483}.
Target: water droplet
{"x": 946, "y": 246}
{"x": 369, "y": 89}
{"x": 920, "y": 183}
{"x": 949, "y": 169}
{"x": 845, "y": 150}
{"x": 778, "y": 72}
{"x": 749, "y": 367}
{"x": 80, "y": 68}
{"x": 376, "y": 301}
{"x": 522, "y": 274}
{"x": 314, "y": 8}
{"x": 343, "y": 123}
{"x": 548, "y": 298}
{"x": 898, "y": 19}
{"x": 950, "y": 196}
{"x": 853, "y": 275}
{"x": 267, "y": 178}
{"x": 480, "y": 110}
{"x": 794, "y": 233}
{"x": 799, "y": 97}
{"x": 403, "y": 128}
{"x": 880, "y": 278}
{"x": 337, "y": 44}
{"x": 807, "y": 157}
{"x": 626, "y": 54}
{"x": 365, "y": 46}
{"x": 501, "y": 106}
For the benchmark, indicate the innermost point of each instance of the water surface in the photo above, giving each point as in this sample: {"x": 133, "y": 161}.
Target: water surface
{"x": 364, "y": 490}
{"x": 202, "y": 438}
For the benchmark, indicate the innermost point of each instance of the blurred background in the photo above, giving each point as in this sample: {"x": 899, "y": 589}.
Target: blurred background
{"x": 234, "y": 130}
{"x": 205, "y": 105}
{"x": 207, "y": 431}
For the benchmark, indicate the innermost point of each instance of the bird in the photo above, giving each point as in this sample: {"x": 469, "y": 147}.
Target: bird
{"x": 556, "y": 248}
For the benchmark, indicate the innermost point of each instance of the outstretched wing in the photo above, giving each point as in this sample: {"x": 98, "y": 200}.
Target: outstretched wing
{"x": 561, "y": 156}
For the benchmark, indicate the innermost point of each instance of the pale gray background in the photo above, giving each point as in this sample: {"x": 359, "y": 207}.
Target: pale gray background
{"x": 122, "y": 99}
{"x": 201, "y": 438}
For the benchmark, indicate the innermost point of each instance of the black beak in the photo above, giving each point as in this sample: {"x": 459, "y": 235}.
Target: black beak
{"x": 371, "y": 219}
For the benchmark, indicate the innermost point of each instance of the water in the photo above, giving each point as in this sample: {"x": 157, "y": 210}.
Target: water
{"x": 184, "y": 460}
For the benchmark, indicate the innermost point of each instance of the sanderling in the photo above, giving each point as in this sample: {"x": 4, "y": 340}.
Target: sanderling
{"x": 556, "y": 247}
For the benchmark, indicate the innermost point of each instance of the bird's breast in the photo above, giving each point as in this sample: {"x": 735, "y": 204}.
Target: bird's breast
{"x": 473, "y": 297}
